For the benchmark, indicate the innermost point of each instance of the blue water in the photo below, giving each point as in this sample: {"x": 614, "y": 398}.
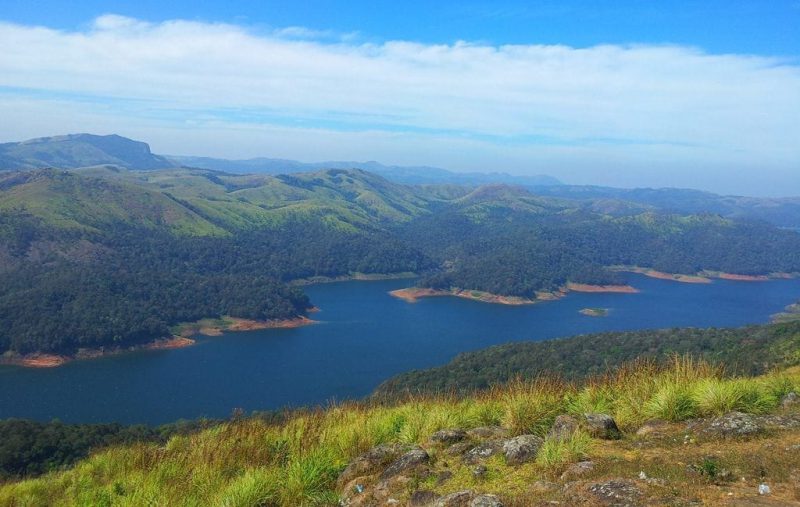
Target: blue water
{"x": 365, "y": 336}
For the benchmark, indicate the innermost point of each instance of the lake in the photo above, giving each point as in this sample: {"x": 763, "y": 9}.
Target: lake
{"x": 364, "y": 337}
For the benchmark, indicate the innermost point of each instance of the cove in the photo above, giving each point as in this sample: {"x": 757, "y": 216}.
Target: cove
{"x": 364, "y": 337}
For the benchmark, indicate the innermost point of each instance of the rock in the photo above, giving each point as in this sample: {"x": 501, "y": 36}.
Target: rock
{"x": 486, "y": 501}
{"x": 408, "y": 462}
{"x": 457, "y": 499}
{"x": 483, "y": 451}
{"x": 734, "y": 424}
{"x": 422, "y": 498}
{"x": 577, "y": 470}
{"x": 448, "y": 437}
{"x": 370, "y": 462}
{"x": 764, "y": 489}
{"x": 790, "y": 399}
{"x": 522, "y": 449}
{"x": 779, "y": 422}
{"x": 563, "y": 427}
{"x": 617, "y": 492}
{"x": 353, "y": 492}
{"x": 487, "y": 432}
{"x": 653, "y": 427}
{"x": 602, "y": 426}
{"x": 459, "y": 448}
{"x": 479, "y": 472}
{"x": 392, "y": 501}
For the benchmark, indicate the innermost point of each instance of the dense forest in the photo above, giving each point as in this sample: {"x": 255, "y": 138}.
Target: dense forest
{"x": 128, "y": 286}
{"x": 518, "y": 253}
{"x": 746, "y": 351}
{"x": 113, "y": 257}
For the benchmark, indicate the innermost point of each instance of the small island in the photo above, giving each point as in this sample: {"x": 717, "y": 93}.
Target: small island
{"x": 595, "y": 312}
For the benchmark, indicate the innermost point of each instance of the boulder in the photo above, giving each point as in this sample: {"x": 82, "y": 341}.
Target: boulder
{"x": 459, "y": 448}
{"x": 407, "y": 463}
{"x": 448, "y": 437}
{"x": 370, "y": 462}
{"x": 522, "y": 449}
{"x": 734, "y": 424}
{"x": 563, "y": 427}
{"x": 790, "y": 400}
{"x": 619, "y": 492}
{"x": 486, "y": 501}
{"x": 422, "y": 498}
{"x": 457, "y": 499}
{"x": 483, "y": 451}
{"x": 602, "y": 426}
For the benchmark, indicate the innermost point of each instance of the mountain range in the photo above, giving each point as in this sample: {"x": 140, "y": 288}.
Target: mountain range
{"x": 76, "y": 151}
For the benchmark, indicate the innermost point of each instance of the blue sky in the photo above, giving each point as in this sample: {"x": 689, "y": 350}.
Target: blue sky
{"x": 693, "y": 94}
{"x": 752, "y": 26}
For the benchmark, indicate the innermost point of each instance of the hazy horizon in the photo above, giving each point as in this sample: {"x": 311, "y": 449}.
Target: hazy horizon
{"x": 512, "y": 88}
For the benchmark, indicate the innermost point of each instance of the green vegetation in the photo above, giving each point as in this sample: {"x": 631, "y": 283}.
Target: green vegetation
{"x": 297, "y": 461}
{"x": 748, "y": 350}
{"x": 105, "y": 256}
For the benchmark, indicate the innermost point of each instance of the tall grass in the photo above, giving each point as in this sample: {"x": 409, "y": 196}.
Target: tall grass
{"x": 249, "y": 461}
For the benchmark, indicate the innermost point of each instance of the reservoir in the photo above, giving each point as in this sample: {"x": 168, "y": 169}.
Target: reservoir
{"x": 364, "y": 336}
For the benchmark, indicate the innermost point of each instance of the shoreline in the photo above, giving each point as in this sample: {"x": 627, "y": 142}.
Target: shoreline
{"x": 180, "y": 339}
{"x": 413, "y": 294}
{"x": 583, "y": 287}
{"x": 652, "y": 273}
{"x": 704, "y": 276}
{"x": 216, "y": 327}
{"x": 364, "y": 277}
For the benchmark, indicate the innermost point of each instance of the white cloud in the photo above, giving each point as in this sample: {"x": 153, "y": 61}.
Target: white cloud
{"x": 627, "y": 108}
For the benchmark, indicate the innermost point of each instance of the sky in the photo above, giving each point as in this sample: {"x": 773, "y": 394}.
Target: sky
{"x": 672, "y": 93}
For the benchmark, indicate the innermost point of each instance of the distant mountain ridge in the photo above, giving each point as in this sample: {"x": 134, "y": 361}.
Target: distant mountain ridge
{"x": 409, "y": 175}
{"x": 76, "y": 151}
{"x": 80, "y": 150}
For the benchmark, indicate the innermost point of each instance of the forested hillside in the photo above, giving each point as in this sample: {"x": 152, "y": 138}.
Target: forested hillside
{"x": 743, "y": 351}
{"x": 109, "y": 256}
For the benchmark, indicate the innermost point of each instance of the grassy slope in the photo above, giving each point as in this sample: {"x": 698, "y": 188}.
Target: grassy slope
{"x": 66, "y": 201}
{"x": 201, "y": 202}
{"x": 296, "y": 462}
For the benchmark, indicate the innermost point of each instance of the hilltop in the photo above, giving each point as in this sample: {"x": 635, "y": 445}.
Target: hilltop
{"x": 79, "y": 150}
